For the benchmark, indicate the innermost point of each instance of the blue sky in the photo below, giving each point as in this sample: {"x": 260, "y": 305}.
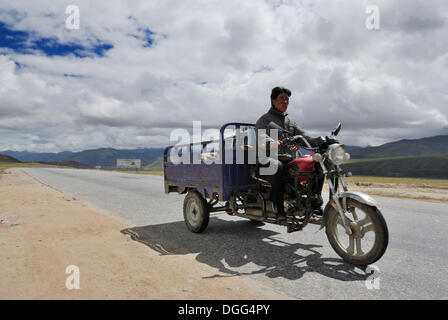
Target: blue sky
{"x": 24, "y": 42}
{"x": 135, "y": 71}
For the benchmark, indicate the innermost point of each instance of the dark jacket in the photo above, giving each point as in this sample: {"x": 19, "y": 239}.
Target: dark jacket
{"x": 282, "y": 120}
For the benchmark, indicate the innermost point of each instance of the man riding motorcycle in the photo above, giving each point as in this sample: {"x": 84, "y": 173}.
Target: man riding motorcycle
{"x": 277, "y": 114}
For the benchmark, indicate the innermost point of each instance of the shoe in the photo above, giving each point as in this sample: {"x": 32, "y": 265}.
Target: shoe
{"x": 317, "y": 216}
{"x": 318, "y": 212}
{"x": 281, "y": 216}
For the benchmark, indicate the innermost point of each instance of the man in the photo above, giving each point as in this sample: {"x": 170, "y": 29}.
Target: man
{"x": 277, "y": 114}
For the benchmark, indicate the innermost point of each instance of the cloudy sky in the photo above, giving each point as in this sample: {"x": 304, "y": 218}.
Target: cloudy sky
{"x": 136, "y": 70}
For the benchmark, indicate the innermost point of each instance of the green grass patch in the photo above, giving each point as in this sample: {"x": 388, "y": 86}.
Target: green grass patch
{"x": 417, "y": 157}
{"x": 422, "y": 167}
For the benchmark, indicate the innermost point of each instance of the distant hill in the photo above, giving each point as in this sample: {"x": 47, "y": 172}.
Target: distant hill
{"x": 6, "y": 158}
{"x": 427, "y": 166}
{"x": 104, "y": 157}
{"x": 156, "y": 165}
{"x": 424, "y": 158}
{"x": 72, "y": 164}
{"x": 407, "y": 147}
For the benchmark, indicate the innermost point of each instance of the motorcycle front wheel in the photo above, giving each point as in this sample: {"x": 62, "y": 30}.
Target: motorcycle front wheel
{"x": 369, "y": 234}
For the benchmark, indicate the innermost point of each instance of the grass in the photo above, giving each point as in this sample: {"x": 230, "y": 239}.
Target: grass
{"x": 398, "y": 196}
{"x": 441, "y": 156}
{"x": 435, "y": 183}
{"x": 403, "y": 188}
{"x": 354, "y": 179}
{"x": 154, "y": 173}
{"x": 408, "y": 182}
{"x": 7, "y": 165}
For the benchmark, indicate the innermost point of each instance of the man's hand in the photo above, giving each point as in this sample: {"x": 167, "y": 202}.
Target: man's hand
{"x": 277, "y": 144}
{"x": 295, "y": 148}
{"x": 330, "y": 140}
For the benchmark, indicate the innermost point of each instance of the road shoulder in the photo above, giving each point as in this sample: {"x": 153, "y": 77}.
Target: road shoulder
{"x": 44, "y": 231}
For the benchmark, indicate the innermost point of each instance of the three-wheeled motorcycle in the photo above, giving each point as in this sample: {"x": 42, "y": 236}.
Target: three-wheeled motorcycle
{"x": 220, "y": 175}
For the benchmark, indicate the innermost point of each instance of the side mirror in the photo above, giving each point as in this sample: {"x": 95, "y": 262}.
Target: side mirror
{"x": 336, "y": 130}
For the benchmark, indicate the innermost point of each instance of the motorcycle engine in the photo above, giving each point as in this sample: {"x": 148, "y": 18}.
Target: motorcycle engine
{"x": 292, "y": 208}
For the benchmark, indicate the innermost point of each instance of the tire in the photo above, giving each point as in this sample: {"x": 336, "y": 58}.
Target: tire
{"x": 196, "y": 213}
{"x": 368, "y": 228}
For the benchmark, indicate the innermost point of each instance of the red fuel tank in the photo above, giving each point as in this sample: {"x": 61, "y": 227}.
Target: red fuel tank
{"x": 305, "y": 164}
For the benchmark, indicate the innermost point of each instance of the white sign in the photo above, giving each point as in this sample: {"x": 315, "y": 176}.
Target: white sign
{"x": 129, "y": 163}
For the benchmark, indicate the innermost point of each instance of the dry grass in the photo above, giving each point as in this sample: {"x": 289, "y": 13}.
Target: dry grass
{"x": 405, "y": 188}
{"x": 154, "y": 173}
{"x": 8, "y": 165}
{"x": 416, "y": 182}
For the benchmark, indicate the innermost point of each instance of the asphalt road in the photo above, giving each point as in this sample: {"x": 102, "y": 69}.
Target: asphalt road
{"x": 301, "y": 265}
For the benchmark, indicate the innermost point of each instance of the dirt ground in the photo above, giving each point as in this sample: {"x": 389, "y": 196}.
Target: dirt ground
{"x": 400, "y": 190}
{"x": 43, "y": 232}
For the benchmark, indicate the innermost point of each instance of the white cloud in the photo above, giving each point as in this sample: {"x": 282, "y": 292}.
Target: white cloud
{"x": 217, "y": 61}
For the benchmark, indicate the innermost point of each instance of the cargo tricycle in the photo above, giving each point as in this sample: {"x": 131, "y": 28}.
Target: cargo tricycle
{"x": 222, "y": 175}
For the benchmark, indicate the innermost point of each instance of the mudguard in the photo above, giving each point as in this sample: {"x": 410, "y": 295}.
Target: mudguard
{"x": 343, "y": 196}
{"x": 359, "y": 196}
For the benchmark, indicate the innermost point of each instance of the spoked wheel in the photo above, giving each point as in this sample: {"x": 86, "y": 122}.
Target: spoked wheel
{"x": 369, "y": 237}
{"x": 196, "y": 213}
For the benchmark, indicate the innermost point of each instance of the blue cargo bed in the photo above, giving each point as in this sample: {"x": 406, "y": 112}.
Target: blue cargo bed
{"x": 215, "y": 180}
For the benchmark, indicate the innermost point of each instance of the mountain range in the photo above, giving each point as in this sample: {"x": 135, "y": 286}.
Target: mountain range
{"x": 423, "y": 158}
{"x": 104, "y": 157}
{"x": 406, "y": 147}
{"x": 417, "y": 158}
{"x": 6, "y": 158}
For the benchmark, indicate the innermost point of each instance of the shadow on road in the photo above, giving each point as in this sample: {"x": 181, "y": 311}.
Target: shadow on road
{"x": 243, "y": 248}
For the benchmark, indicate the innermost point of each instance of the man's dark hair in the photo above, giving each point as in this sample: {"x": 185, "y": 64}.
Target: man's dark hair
{"x": 278, "y": 90}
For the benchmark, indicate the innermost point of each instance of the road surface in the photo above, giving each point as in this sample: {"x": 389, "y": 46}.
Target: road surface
{"x": 301, "y": 265}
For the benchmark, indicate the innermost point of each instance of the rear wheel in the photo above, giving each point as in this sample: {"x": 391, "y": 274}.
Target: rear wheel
{"x": 196, "y": 213}
{"x": 369, "y": 235}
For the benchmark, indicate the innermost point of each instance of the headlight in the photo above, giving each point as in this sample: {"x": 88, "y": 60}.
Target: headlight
{"x": 337, "y": 154}
{"x": 317, "y": 157}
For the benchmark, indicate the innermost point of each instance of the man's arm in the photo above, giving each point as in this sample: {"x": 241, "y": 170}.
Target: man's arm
{"x": 299, "y": 131}
{"x": 264, "y": 137}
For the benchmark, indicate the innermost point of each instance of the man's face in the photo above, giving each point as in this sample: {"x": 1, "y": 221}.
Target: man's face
{"x": 281, "y": 102}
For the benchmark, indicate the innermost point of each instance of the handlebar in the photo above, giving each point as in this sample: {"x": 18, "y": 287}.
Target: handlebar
{"x": 322, "y": 142}
{"x": 294, "y": 140}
